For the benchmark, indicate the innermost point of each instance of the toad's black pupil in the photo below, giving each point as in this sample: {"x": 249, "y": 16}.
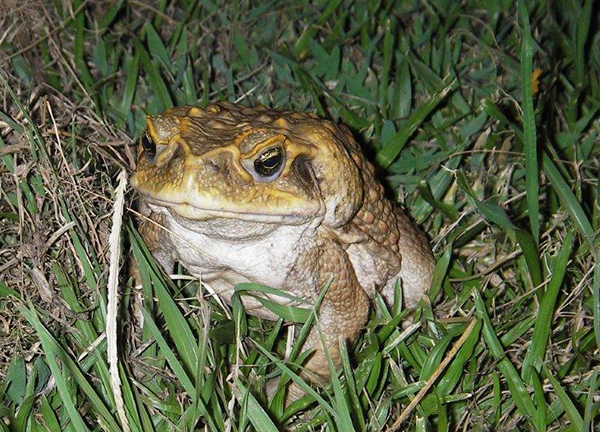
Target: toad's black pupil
{"x": 268, "y": 162}
{"x": 148, "y": 144}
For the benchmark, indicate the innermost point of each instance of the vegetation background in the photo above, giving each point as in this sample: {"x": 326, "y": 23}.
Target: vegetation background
{"x": 482, "y": 116}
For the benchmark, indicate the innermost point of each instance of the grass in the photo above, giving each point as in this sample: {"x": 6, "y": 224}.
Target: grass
{"x": 482, "y": 117}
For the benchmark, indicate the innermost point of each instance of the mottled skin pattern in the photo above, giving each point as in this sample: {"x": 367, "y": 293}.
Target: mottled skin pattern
{"x": 322, "y": 215}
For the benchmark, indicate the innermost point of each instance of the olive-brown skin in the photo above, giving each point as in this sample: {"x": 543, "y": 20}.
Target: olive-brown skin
{"x": 321, "y": 217}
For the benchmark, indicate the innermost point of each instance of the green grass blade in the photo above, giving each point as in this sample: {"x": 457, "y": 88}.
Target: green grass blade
{"x": 388, "y": 154}
{"x": 596, "y": 301}
{"x": 570, "y": 202}
{"x": 25, "y": 410}
{"x": 49, "y": 416}
{"x": 299, "y": 381}
{"x": 356, "y": 408}
{"x": 517, "y": 387}
{"x": 60, "y": 378}
{"x": 79, "y": 55}
{"x": 156, "y": 82}
{"x": 534, "y": 358}
{"x": 498, "y": 216}
{"x": 439, "y": 273}
{"x": 178, "y": 327}
{"x": 435, "y": 356}
{"x": 341, "y": 404}
{"x": 175, "y": 365}
{"x": 388, "y": 51}
{"x": 130, "y": 86}
{"x": 529, "y": 132}
{"x": 581, "y": 40}
{"x": 299, "y": 342}
{"x": 589, "y": 405}
{"x": 156, "y": 47}
{"x": 292, "y": 314}
{"x": 573, "y": 206}
{"x": 256, "y": 413}
{"x": 565, "y": 400}
{"x": 455, "y": 371}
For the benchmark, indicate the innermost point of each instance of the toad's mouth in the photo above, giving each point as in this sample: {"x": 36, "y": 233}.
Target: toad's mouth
{"x": 187, "y": 210}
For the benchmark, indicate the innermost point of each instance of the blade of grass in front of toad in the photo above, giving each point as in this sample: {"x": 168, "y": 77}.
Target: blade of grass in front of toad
{"x": 299, "y": 381}
{"x": 529, "y": 133}
{"x": 146, "y": 266}
{"x": 293, "y": 314}
{"x": 255, "y": 412}
{"x": 184, "y": 339}
{"x": 343, "y": 419}
{"x": 203, "y": 351}
{"x": 176, "y": 324}
{"x": 356, "y": 407}
{"x": 179, "y": 371}
{"x": 306, "y": 327}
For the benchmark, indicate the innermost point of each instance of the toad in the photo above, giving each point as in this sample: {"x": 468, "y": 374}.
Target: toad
{"x": 283, "y": 199}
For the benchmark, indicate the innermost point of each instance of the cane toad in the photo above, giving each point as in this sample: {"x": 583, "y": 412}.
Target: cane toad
{"x": 284, "y": 199}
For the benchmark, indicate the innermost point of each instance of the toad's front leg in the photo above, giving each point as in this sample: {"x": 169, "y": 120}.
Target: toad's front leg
{"x": 342, "y": 314}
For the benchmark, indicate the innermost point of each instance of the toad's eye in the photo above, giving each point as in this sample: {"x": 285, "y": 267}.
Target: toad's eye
{"x": 269, "y": 162}
{"x": 148, "y": 144}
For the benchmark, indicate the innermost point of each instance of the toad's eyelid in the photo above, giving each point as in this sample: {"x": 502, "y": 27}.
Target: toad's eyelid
{"x": 270, "y": 154}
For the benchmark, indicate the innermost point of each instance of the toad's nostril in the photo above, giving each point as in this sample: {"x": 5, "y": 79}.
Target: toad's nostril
{"x": 219, "y": 163}
{"x": 212, "y": 166}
